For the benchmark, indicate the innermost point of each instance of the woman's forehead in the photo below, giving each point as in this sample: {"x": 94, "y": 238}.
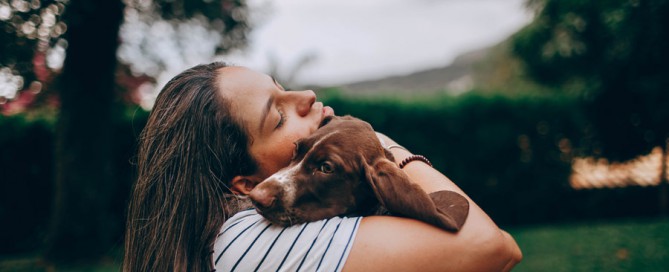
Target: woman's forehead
{"x": 241, "y": 79}
{"x": 248, "y": 93}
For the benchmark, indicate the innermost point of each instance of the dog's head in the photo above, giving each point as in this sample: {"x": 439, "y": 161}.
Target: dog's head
{"x": 326, "y": 176}
{"x": 342, "y": 169}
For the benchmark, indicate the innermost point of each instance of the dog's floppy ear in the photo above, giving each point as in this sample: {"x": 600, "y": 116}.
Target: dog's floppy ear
{"x": 444, "y": 209}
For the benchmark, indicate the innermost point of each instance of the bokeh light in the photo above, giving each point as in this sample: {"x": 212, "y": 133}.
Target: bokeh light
{"x": 160, "y": 48}
{"x": 38, "y": 27}
{"x": 645, "y": 170}
{"x": 9, "y": 84}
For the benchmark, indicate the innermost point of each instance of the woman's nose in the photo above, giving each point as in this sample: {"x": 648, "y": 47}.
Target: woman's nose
{"x": 304, "y": 101}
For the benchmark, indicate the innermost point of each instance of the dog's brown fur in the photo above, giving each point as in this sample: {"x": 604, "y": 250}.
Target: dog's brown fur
{"x": 342, "y": 169}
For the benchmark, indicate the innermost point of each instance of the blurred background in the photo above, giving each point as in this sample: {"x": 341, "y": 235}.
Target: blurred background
{"x": 552, "y": 115}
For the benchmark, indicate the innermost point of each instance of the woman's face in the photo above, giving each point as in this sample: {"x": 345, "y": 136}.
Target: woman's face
{"x": 273, "y": 117}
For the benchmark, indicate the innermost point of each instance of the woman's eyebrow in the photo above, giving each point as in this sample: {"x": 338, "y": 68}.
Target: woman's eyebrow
{"x": 265, "y": 112}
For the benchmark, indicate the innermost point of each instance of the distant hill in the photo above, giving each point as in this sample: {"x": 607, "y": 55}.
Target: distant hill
{"x": 490, "y": 70}
{"x": 454, "y": 78}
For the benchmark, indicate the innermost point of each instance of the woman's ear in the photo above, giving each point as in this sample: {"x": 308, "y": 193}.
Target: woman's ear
{"x": 242, "y": 185}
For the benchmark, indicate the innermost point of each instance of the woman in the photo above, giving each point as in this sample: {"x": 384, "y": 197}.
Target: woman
{"x": 214, "y": 133}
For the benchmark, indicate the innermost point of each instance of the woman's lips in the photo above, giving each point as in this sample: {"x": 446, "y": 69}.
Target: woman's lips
{"x": 327, "y": 111}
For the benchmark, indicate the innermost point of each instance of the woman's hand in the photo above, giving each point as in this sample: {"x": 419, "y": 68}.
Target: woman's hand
{"x": 420, "y": 173}
{"x": 388, "y": 142}
{"x": 385, "y": 140}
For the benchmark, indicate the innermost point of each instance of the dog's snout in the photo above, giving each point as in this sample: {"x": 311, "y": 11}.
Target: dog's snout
{"x": 265, "y": 194}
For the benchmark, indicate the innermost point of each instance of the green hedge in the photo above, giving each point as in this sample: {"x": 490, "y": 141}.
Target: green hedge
{"x": 27, "y": 177}
{"x": 504, "y": 152}
{"x": 26, "y": 170}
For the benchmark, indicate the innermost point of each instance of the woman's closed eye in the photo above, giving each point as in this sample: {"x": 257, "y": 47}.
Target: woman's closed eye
{"x": 282, "y": 119}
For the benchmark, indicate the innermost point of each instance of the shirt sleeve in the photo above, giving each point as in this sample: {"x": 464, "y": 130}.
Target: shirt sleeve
{"x": 248, "y": 242}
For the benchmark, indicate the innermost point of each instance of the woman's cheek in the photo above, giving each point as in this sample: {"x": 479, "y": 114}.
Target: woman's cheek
{"x": 296, "y": 133}
{"x": 286, "y": 148}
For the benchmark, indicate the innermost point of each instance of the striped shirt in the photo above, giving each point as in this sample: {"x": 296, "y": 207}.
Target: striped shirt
{"x": 248, "y": 242}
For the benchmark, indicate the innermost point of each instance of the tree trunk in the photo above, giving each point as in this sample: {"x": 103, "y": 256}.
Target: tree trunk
{"x": 79, "y": 229}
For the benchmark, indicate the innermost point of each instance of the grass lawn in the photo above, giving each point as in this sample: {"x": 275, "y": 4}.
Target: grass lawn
{"x": 32, "y": 264}
{"x": 623, "y": 245}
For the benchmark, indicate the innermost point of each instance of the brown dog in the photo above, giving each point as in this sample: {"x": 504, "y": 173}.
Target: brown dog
{"x": 342, "y": 169}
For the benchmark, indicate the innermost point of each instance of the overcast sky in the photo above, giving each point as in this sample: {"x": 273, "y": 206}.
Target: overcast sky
{"x": 354, "y": 40}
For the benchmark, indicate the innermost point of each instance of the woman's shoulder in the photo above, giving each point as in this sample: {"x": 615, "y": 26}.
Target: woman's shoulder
{"x": 240, "y": 217}
{"x": 261, "y": 245}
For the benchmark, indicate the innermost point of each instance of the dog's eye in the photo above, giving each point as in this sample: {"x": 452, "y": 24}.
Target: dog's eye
{"x": 326, "y": 167}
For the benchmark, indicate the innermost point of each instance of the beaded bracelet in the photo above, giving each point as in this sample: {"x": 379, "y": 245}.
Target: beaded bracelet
{"x": 411, "y": 158}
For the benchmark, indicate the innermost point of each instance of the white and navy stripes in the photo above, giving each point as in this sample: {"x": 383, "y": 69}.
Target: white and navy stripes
{"x": 248, "y": 242}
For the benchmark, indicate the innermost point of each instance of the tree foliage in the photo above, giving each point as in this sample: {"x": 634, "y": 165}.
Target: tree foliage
{"x": 84, "y": 34}
{"x": 615, "y": 54}
{"x": 30, "y": 39}
{"x": 32, "y": 43}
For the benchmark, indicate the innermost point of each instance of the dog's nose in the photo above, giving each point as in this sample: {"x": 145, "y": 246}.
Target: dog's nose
{"x": 265, "y": 194}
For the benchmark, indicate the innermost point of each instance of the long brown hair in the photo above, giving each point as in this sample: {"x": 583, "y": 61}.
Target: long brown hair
{"x": 190, "y": 148}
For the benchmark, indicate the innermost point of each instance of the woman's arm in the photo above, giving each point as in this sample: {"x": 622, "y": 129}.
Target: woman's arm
{"x": 385, "y": 243}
